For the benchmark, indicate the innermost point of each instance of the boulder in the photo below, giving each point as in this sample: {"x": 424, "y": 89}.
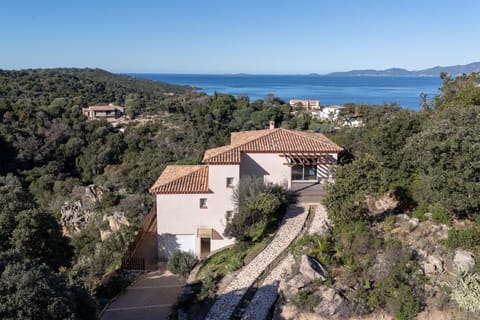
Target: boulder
{"x": 116, "y": 221}
{"x": 463, "y": 260}
{"x": 105, "y": 234}
{"x": 379, "y": 205}
{"x": 432, "y": 264}
{"x": 331, "y": 304}
{"x": 312, "y": 269}
{"x": 290, "y": 287}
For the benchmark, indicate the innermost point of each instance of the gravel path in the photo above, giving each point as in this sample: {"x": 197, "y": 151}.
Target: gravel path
{"x": 291, "y": 226}
{"x": 266, "y": 294}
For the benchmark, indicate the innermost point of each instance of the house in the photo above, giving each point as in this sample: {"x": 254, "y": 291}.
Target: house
{"x": 329, "y": 113}
{"x": 307, "y": 104}
{"x": 193, "y": 201}
{"x": 108, "y": 112}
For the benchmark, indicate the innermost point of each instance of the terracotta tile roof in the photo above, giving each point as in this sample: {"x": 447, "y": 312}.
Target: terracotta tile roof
{"x": 270, "y": 141}
{"x": 182, "y": 179}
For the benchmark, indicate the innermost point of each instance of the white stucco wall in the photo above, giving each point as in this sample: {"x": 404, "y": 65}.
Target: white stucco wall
{"x": 221, "y": 200}
{"x": 270, "y": 166}
{"x": 180, "y": 214}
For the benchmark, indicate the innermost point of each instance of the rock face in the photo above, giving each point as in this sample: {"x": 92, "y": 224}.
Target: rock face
{"x": 115, "y": 222}
{"x": 463, "y": 260}
{"x": 77, "y": 215}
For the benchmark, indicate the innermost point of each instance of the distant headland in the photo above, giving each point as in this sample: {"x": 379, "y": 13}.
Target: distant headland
{"x": 398, "y": 72}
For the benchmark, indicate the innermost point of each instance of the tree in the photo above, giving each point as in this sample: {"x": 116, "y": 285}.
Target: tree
{"x": 256, "y": 208}
{"x": 445, "y": 158}
{"x": 32, "y": 291}
{"x": 37, "y": 235}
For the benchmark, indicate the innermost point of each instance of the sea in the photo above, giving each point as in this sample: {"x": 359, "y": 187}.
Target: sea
{"x": 330, "y": 90}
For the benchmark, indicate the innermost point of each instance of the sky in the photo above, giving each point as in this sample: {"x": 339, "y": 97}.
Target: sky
{"x": 238, "y": 36}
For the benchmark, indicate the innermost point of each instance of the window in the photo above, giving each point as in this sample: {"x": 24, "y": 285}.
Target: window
{"x": 203, "y": 203}
{"x": 304, "y": 173}
{"x": 229, "y": 216}
{"x": 230, "y": 181}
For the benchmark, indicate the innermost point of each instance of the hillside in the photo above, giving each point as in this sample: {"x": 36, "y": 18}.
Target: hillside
{"x": 399, "y": 72}
{"x": 89, "y": 180}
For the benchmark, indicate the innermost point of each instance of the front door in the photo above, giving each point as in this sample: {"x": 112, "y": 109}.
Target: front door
{"x": 204, "y": 247}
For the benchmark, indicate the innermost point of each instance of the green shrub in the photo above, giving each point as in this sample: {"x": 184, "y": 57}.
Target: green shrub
{"x": 440, "y": 215}
{"x": 403, "y": 303}
{"x": 111, "y": 285}
{"x": 389, "y": 223}
{"x": 466, "y": 292}
{"x": 209, "y": 286}
{"x": 419, "y": 212}
{"x": 306, "y": 301}
{"x": 181, "y": 262}
{"x": 466, "y": 238}
{"x": 258, "y": 209}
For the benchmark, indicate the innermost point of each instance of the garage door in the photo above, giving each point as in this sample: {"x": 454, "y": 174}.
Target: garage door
{"x": 186, "y": 242}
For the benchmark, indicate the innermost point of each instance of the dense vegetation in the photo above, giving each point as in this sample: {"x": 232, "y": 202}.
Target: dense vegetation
{"x": 427, "y": 161}
{"x": 49, "y": 152}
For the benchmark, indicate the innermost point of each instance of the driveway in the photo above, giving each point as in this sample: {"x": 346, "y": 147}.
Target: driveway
{"x": 151, "y": 297}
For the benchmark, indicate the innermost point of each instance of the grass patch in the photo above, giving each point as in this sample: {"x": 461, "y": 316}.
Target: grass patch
{"x": 223, "y": 262}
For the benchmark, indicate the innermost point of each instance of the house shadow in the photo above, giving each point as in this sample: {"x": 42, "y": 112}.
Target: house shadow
{"x": 190, "y": 306}
{"x": 166, "y": 245}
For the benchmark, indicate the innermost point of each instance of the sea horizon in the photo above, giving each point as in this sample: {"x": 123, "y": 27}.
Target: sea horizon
{"x": 329, "y": 89}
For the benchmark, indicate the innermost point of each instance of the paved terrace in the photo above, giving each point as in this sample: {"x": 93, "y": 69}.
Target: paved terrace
{"x": 151, "y": 297}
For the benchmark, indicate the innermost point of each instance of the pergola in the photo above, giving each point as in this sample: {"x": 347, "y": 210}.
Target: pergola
{"x": 308, "y": 158}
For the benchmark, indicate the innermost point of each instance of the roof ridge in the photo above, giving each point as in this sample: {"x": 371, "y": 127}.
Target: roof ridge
{"x": 234, "y": 146}
{"x": 267, "y": 132}
{"x": 301, "y": 134}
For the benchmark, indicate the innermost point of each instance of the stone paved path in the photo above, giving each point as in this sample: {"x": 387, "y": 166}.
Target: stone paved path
{"x": 291, "y": 226}
{"x": 266, "y": 294}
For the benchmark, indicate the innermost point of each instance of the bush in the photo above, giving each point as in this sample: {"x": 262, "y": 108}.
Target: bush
{"x": 258, "y": 208}
{"x": 181, "y": 262}
{"x": 440, "y": 215}
{"x": 466, "y": 292}
{"x": 466, "y": 238}
{"x": 209, "y": 286}
{"x": 306, "y": 301}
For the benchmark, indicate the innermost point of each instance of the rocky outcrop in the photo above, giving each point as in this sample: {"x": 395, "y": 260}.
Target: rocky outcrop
{"x": 379, "y": 205}
{"x": 115, "y": 222}
{"x": 74, "y": 217}
{"x": 432, "y": 264}
{"x": 463, "y": 260}
{"x": 78, "y": 214}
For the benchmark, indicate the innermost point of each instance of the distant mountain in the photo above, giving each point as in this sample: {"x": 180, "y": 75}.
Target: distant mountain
{"x": 398, "y": 72}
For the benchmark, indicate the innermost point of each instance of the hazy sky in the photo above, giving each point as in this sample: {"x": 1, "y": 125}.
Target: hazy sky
{"x": 232, "y": 36}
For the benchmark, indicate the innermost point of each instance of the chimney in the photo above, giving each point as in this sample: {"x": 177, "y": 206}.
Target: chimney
{"x": 271, "y": 124}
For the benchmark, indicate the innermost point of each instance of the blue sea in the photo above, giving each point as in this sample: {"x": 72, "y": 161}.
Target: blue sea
{"x": 328, "y": 89}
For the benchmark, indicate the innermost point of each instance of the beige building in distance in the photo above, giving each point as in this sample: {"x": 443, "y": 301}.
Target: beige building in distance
{"x": 307, "y": 104}
{"x": 193, "y": 201}
{"x": 109, "y": 112}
